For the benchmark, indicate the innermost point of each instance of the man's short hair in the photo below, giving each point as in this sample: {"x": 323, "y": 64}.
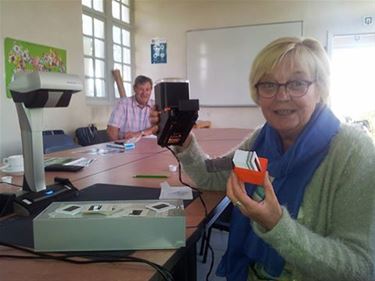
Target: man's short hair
{"x": 141, "y": 79}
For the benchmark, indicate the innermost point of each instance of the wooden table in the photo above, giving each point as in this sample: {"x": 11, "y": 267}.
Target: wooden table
{"x": 119, "y": 169}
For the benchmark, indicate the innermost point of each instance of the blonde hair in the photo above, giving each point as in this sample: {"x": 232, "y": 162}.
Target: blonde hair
{"x": 306, "y": 52}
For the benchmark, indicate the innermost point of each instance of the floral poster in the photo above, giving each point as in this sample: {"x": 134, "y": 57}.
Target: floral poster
{"x": 26, "y": 56}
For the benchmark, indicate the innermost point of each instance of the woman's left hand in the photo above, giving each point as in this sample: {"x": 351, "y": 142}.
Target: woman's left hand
{"x": 266, "y": 213}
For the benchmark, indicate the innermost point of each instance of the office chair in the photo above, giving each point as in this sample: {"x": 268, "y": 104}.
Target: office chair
{"x": 222, "y": 223}
{"x": 57, "y": 140}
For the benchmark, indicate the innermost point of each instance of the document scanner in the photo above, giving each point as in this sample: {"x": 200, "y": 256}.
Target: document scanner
{"x": 178, "y": 112}
{"x": 31, "y": 92}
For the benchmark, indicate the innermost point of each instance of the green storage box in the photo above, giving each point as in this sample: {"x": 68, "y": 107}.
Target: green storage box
{"x": 110, "y": 225}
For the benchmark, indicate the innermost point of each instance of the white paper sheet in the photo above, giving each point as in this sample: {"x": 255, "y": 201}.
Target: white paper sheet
{"x": 175, "y": 192}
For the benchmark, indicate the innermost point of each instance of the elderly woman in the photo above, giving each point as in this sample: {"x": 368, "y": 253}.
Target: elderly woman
{"x": 315, "y": 220}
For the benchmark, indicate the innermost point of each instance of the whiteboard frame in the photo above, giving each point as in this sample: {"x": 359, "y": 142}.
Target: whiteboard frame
{"x": 250, "y": 102}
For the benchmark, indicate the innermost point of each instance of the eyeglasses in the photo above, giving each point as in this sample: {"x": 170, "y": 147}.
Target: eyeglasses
{"x": 294, "y": 88}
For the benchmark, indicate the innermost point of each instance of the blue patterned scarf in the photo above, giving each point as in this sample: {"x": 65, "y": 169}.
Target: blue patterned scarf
{"x": 292, "y": 171}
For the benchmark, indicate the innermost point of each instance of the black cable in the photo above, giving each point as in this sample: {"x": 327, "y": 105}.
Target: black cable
{"x": 203, "y": 203}
{"x": 184, "y": 183}
{"x": 11, "y": 183}
{"x": 167, "y": 276}
{"x": 135, "y": 259}
{"x": 212, "y": 260}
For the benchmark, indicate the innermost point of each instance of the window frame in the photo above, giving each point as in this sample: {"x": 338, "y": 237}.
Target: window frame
{"x": 109, "y": 22}
{"x": 349, "y": 41}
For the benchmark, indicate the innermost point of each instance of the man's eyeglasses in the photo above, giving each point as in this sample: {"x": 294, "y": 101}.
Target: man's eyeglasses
{"x": 294, "y": 88}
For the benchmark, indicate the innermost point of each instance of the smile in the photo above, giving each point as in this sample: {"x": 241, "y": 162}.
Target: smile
{"x": 284, "y": 112}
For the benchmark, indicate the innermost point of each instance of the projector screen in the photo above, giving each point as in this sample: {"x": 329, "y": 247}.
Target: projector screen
{"x": 219, "y": 60}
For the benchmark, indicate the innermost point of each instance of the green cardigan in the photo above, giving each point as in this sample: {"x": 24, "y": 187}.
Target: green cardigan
{"x": 334, "y": 235}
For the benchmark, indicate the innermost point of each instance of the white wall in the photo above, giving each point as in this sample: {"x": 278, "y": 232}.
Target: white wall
{"x": 170, "y": 19}
{"x": 54, "y": 23}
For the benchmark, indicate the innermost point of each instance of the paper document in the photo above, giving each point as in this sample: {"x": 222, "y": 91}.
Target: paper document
{"x": 175, "y": 192}
{"x": 150, "y": 137}
{"x": 100, "y": 151}
{"x": 134, "y": 139}
{"x": 84, "y": 162}
{"x": 81, "y": 162}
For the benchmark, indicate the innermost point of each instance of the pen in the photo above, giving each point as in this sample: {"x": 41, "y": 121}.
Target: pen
{"x": 151, "y": 176}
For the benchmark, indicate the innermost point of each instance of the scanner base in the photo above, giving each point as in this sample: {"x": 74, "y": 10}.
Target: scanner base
{"x": 31, "y": 203}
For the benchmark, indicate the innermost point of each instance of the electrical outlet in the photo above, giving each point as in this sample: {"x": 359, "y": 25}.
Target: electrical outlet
{"x": 368, "y": 20}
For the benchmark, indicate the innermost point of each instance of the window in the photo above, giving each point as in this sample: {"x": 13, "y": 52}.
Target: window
{"x": 107, "y": 45}
{"x": 352, "y": 92}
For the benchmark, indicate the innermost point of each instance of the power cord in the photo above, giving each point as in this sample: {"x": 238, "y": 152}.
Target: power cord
{"x": 10, "y": 183}
{"x": 205, "y": 211}
{"x": 70, "y": 258}
{"x": 212, "y": 260}
{"x": 184, "y": 183}
{"x": 6, "y": 199}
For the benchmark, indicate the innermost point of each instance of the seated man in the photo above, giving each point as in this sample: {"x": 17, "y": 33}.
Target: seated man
{"x": 129, "y": 119}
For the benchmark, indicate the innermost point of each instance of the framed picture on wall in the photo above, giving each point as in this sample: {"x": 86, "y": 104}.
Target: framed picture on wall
{"x": 27, "y": 56}
{"x": 158, "y": 51}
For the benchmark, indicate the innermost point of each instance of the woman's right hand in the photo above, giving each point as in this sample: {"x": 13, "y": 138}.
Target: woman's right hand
{"x": 155, "y": 120}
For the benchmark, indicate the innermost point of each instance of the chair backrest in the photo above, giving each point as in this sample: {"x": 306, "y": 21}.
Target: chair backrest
{"x": 91, "y": 135}
{"x": 57, "y": 142}
{"x": 53, "y": 132}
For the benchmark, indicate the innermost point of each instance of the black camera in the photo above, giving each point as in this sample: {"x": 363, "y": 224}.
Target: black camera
{"x": 178, "y": 112}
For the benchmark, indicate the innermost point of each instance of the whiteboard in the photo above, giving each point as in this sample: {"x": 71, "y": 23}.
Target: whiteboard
{"x": 219, "y": 60}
